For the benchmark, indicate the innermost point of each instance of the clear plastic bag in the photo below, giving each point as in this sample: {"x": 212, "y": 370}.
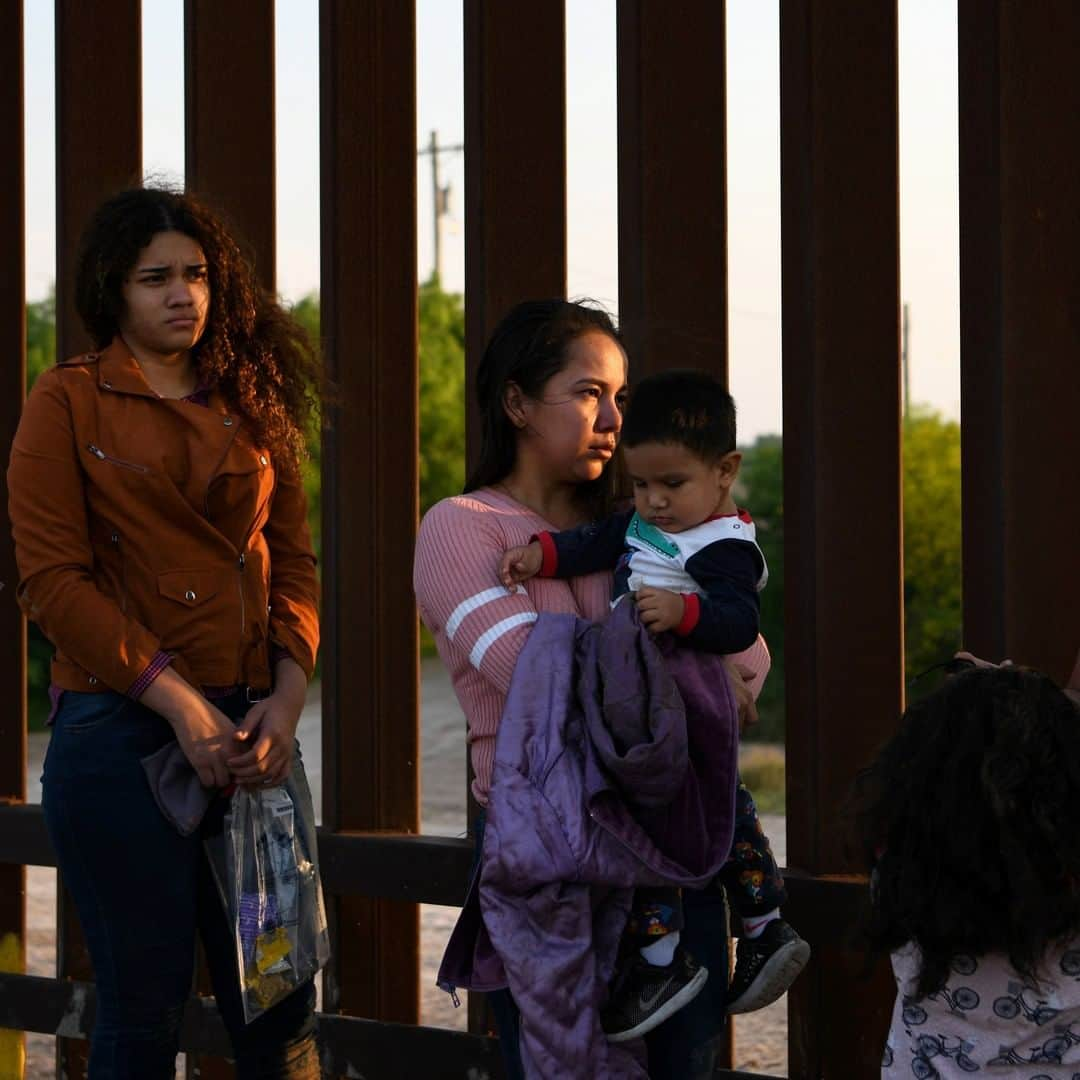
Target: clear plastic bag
{"x": 273, "y": 896}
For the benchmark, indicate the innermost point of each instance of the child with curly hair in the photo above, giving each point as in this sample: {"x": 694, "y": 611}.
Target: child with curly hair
{"x": 968, "y": 821}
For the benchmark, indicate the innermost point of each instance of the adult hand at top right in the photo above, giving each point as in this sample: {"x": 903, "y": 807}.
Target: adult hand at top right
{"x": 978, "y": 661}
{"x": 1071, "y": 688}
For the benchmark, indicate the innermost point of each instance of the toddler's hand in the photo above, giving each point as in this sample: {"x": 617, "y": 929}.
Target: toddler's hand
{"x": 521, "y": 563}
{"x": 660, "y": 609}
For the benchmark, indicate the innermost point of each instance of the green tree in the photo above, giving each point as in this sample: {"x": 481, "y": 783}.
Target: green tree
{"x": 308, "y": 313}
{"x": 442, "y": 393}
{"x": 761, "y": 490}
{"x": 932, "y": 574}
{"x": 40, "y": 354}
{"x": 40, "y": 336}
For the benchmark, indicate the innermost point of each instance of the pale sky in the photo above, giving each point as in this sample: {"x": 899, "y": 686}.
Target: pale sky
{"x": 928, "y": 166}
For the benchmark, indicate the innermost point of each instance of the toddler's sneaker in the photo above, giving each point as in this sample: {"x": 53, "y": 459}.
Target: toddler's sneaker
{"x": 766, "y": 966}
{"x": 645, "y": 995}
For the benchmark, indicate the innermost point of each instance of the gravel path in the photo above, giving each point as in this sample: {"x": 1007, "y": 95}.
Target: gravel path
{"x": 760, "y": 1038}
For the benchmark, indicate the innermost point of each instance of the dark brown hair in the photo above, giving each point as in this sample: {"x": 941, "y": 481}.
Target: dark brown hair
{"x": 527, "y": 348}
{"x": 258, "y": 356}
{"x": 689, "y": 408}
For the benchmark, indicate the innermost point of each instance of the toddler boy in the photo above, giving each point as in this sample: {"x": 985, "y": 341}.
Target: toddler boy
{"x": 688, "y": 558}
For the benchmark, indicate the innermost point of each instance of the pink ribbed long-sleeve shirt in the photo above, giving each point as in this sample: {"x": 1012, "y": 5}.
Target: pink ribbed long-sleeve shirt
{"x": 478, "y": 625}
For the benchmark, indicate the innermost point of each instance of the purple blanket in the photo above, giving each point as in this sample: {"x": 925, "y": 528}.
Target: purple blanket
{"x": 614, "y": 768}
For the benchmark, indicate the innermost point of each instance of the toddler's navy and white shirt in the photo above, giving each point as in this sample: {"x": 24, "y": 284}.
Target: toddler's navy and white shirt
{"x": 716, "y": 566}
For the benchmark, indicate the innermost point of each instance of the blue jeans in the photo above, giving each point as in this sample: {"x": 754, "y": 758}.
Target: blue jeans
{"x": 682, "y": 1048}
{"x": 142, "y": 892}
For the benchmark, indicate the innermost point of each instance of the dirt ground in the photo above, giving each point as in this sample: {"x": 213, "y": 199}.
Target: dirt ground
{"x": 760, "y": 1038}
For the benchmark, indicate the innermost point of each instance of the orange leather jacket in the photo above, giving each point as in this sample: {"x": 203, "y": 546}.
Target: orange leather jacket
{"x": 144, "y": 524}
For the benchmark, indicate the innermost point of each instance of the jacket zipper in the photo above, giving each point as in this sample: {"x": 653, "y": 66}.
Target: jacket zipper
{"x": 102, "y": 456}
{"x": 114, "y": 539}
{"x": 243, "y": 617}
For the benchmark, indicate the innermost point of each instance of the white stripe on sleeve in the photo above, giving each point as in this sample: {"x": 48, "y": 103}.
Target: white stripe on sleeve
{"x": 457, "y": 616}
{"x": 493, "y": 633}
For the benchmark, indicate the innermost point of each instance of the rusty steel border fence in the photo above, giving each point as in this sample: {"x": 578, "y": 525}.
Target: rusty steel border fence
{"x": 1020, "y": 377}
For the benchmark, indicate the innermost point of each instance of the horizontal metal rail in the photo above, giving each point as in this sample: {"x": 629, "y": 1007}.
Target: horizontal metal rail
{"x": 422, "y": 869}
{"x": 348, "y": 1046}
{"x": 828, "y": 909}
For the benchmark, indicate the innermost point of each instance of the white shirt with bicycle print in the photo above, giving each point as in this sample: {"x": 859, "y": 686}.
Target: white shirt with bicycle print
{"x": 987, "y": 1021}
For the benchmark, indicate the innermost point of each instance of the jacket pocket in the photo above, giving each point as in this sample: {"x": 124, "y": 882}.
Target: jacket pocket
{"x": 197, "y": 616}
{"x": 81, "y": 713}
{"x": 191, "y": 588}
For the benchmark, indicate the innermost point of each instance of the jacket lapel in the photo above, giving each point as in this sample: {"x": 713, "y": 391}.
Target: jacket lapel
{"x": 119, "y": 372}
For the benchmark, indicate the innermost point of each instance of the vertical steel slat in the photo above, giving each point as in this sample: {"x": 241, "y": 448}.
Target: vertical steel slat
{"x": 370, "y": 477}
{"x": 515, "y": 191}
{"x": 229, "y": 159}
{"x": 672, "y": 149}
{"x": 98, "y": 131}
{"x": 98, "y": 152}
{"x": 12, "y": 392}
{"x": 672, "y": 102}
{"x": 843, "y": 602}
{"x": 1019, "y": 335}
{"x": 229, "y": 117}
{"x": 515, "y": 167}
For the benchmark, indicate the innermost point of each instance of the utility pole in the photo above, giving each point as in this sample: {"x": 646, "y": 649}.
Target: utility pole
{"x": 905, "y": 331}
{"x": 440, "y": 196}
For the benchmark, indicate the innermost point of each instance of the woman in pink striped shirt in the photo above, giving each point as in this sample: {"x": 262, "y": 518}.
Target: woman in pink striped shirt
{"x": 550, "y": 387}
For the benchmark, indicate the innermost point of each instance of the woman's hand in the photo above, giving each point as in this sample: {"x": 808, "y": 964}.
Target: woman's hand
{"x": 270, "y": 729}
{"x": 659, "y": 609}
{"x": 744, "y": 699}
{"x": 205, "y": 733}
{"x": 521, "y": 563}
{"x": 978, "y": 661}
{"x": 1071, "y": 689}
{"x": 207, "y": 737}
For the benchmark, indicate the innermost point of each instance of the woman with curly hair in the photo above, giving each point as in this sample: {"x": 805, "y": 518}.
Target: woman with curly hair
{"x": 160, "y": 530}
{"x": 968, "y": 821}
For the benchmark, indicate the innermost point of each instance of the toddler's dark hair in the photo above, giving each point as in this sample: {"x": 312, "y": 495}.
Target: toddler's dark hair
{"x": 690, "y": 408}
{"x": 968, "y": 819}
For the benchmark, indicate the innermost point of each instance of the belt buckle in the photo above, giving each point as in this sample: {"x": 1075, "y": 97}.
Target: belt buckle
{"x": 251, "y": 695}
